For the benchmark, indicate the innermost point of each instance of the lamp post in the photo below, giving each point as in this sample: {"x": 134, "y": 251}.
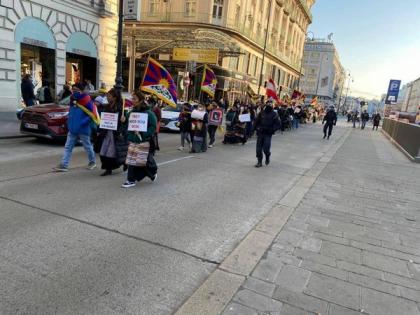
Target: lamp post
{"x": 118, "y": 77}
{"x": 265, "y": 48}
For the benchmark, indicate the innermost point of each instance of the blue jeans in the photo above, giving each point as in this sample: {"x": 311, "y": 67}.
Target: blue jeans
{"x": 68, "y": 148}
{"x": 295, "y": 123}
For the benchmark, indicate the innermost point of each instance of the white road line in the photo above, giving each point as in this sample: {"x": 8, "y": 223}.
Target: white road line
{"x": 176, "y": 160}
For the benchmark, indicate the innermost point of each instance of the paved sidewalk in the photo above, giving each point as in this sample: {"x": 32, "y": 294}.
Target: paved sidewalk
{"x": 352, "y": 245}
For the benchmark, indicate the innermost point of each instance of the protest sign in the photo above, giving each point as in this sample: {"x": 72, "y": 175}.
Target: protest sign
{"x": 109, "y": 121}
{"x": 138, "y": 122}
{"x": 245, "y": 118}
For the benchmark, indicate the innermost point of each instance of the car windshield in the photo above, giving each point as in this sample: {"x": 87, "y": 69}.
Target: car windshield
{"x": 171, "y": 109}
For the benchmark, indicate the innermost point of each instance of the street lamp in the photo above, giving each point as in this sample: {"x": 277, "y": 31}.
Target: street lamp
{"x": 118, "y": 77}
{"x": 265, "y": 48}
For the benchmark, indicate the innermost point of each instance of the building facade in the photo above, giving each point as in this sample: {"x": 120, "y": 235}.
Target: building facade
{"x": 238, "y": 29}
{"x": 55, "y": 42}
{"x": 324, "y": 75}
{"x": 410, "y": 96}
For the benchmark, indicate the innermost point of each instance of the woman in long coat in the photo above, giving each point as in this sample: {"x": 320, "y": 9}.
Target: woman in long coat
{"x": 113, "y": 149}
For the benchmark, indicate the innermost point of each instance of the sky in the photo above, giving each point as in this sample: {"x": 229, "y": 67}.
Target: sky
{"x": 377, "y": 40}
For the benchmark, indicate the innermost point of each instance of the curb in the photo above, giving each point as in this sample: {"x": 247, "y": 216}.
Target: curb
{"x": 218, "y": 289}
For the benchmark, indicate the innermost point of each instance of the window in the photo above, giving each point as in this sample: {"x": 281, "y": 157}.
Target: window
{"x": 218, "y": 9}
{"x": 190, "y": 7}
{"x": 154, "y": 7}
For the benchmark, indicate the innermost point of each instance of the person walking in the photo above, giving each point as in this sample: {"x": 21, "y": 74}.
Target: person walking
{"x": 27, "y": 90}
{"x": 266, "y": 124}
{"x": 82, "y": 114}
{"x": 365, "y": 119}
{"x": 330, "y": 120}
{"x": 354, "y": 118}
{"x": 199, "y": 130}
{"x": 376, "y": 120}
{"x": 215, "y": 120}
{"x": 158, "y": 113}
{"x": 184, "y": 123}
{"x": 140, "y": 141}
{"x": 114, "y": 145}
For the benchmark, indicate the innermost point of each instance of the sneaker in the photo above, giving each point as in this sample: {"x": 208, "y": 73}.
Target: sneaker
{"x": 91, "y": 166}
{"x": 128, "y": 184}
{"x": 210, "y": 146}
{"x": 181, "y": 148}
{"x": 61, "y": 168}
{"x": 154, "y": 178}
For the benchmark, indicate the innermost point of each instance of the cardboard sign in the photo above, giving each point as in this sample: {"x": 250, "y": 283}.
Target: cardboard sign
{"x": 245, "y": 118}
{"x": 109, "y": 121}
{"x": 197, "y": 114}
{"x": 138, "y": 122}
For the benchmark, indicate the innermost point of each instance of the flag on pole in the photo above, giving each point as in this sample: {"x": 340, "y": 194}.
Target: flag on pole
{"x": 271, "y": 90}
{"x": 209, "y": 82}
{"x": 314, "y": 101}
{"x": 158, "y": 81}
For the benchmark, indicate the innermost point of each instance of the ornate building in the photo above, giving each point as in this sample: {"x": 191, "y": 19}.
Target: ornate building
{"x": 55, "y": 41}
{"x": 238, "y": 29}
{"x": 324, "y": 75}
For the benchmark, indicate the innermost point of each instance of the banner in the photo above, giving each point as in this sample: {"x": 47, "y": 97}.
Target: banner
{"x": 158, "y": 81}
{"x": 210, "y": 56}
{"x": 197, "y": 114}
{"x": 209, "y": 82}
{"x": 393, "y": 91}
{"x": 138, "y": 122}
{"x": 271, "y": 90}
{"x": 109, "y": 121}
{"x": 245, "y": 118}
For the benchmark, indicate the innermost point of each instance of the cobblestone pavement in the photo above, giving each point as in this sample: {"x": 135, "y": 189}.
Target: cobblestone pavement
{"x": 352, "y": 246}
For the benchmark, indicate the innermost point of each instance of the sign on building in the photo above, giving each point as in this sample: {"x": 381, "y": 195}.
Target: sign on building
{"x": 393, "y": 90}
{"x": 132, "y": 10}
{"x": 210, "y": 56}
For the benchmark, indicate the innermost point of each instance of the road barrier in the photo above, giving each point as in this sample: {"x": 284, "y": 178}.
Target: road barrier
{"x": 405, "y": 136}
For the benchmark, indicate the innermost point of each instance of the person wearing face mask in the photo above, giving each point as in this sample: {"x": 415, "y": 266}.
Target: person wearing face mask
{"x": 137, "y": 173}
{"x": 266, "y": 124}
{"x": 82, "y": 114}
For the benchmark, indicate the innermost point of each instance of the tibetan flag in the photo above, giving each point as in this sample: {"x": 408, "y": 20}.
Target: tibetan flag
{"x": 271, "y": 90}
{"x": 314, "y": 101}
{"x": 85, "y": 103}
{"x": 158, "y": 81}
{"x": 209, "y": 82}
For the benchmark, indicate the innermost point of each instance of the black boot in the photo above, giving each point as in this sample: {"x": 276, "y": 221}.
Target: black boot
{"x": 106, "y": 173}
{"x": 259, "y": 164}
{"x": 267, "y": 160}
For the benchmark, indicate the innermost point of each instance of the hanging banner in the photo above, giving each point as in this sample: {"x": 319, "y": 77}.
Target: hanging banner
{"x": 210, "y": 56}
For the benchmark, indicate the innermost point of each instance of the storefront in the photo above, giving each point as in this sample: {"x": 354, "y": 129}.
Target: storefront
{"x": 36, "y": 47}
{"x": 81, "y": 59}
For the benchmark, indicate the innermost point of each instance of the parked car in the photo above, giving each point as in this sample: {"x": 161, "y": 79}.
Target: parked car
{"x": 170, "y": 118}
{"x": 50, "y": 120}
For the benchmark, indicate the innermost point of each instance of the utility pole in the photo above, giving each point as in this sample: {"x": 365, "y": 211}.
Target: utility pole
{"x": 265, "y": 48}
{"x": 118, "y": 77}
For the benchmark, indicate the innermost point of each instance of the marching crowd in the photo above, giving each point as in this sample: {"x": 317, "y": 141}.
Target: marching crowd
{"x": 134, "y": 150}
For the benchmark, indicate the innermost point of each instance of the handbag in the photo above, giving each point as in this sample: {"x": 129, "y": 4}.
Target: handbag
{"x": 137, "y": 154}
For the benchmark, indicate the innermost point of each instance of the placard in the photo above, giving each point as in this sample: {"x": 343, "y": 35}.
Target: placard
{"x": 197, "y": 114}
{"x": 109, "y": 121}
{"x": 245, "y": 118}
{"x": 138, "y": 122}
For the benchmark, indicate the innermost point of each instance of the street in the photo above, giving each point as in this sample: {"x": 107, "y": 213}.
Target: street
{"x": 77, "y": 243}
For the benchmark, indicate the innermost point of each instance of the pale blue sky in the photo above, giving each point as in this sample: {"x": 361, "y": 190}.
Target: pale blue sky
{"x": 377, "y": 40}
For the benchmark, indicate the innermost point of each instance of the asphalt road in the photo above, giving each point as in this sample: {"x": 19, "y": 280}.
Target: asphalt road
{"x": 77, "y": 243}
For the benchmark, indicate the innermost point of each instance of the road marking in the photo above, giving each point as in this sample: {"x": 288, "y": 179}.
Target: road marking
{"x": 175, "y": 160}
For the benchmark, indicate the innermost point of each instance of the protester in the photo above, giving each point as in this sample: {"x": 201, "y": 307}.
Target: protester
{"x": 158, "y": 113}
{"x": 266, "y": 124}
{"x": 184, "y": 123}
{"x": 199, "y": 130}
{"x": 113, "y": 149}
{"x": 376, "y": 120}
{"x": 330, "y": 120}
{"x": 232, "y": 118}
{"x": 140, "y": 165}
{"x": 27, "y": 90}
{"x": 82, "y": 113}
{"x": 215, "y": 120}
{"x": 365, "y": 119}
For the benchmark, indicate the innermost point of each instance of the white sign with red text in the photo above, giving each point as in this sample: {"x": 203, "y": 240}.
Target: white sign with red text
{"x": 138, "y": 122}
{"x": 109, "y": 121}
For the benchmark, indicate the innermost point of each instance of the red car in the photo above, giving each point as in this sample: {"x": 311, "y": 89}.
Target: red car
{"x": 50, "y": 120}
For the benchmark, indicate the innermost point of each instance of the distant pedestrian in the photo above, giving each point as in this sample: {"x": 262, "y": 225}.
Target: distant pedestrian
{"x": 215, "y": 120}
{"x": 82, "y": 114}
{"x": 199, "y": 130}
{"x": 266, "y": 124}
{"x": 376, "y": 120}
{"x": 142, "y": 163}
{"x": 355, "y": 117}
{"x": 330, "y": 120}
{"x": 27, "y": 90}
{"x": 184, "y": 123}
{"x": 64, "y": 93}
{"x": 154, "y": 144}
{"x": 365, "y": 119}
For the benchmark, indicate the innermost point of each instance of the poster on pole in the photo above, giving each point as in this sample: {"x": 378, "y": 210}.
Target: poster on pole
{"x": 393, "y": 91}
{"x": 109, "y": 121}
{"x": 138, "y": 122}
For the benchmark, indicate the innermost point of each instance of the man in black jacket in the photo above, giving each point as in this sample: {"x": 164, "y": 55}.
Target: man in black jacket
{"x": 266, "y": 124}
{"x": 27, "y": 90}
{"x": 330, "y": 120}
